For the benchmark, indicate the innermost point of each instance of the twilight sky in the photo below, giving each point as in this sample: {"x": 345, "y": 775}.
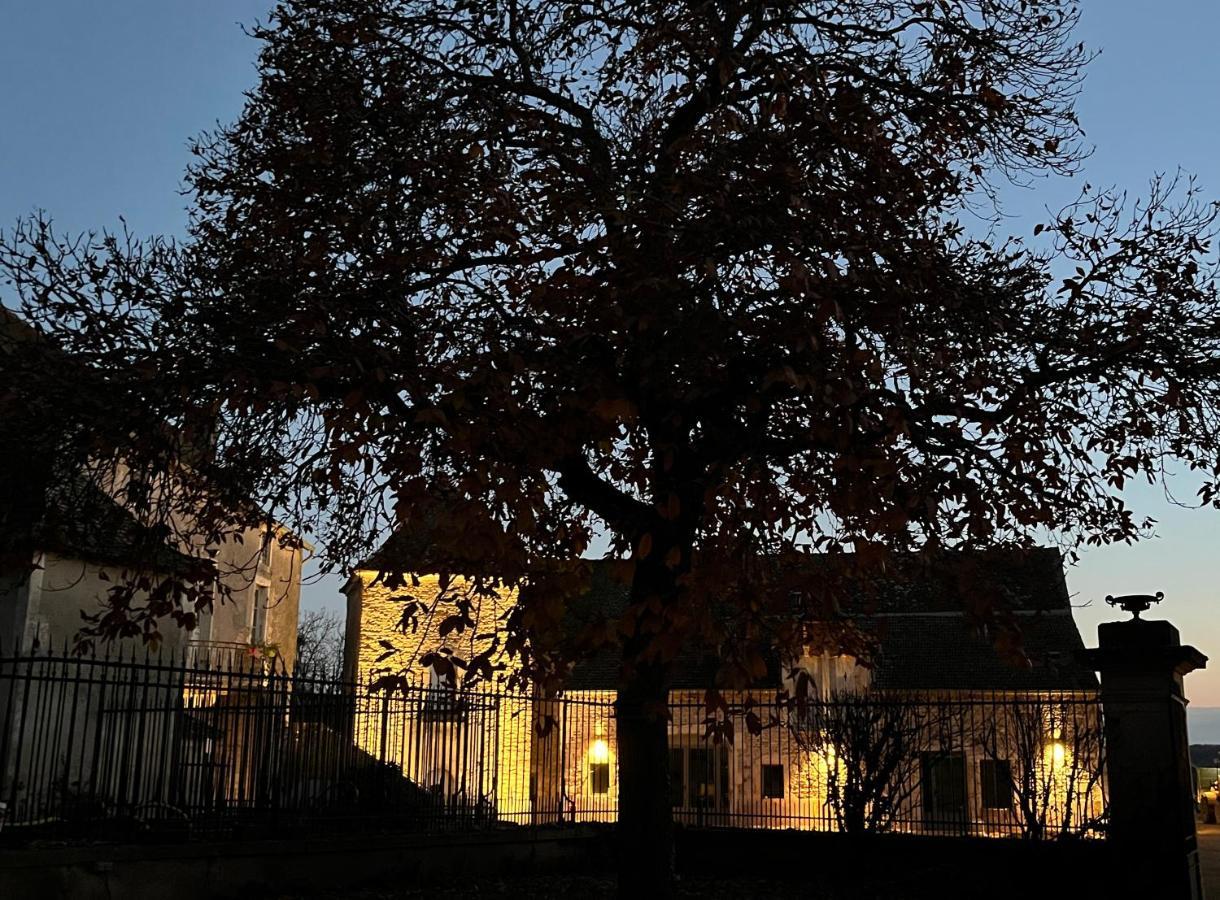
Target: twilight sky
{"x": 99, "y": 100}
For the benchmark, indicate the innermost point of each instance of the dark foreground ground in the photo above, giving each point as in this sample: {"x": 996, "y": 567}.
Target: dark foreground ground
{"x": 718, "y": 863}
{"x": 871, "y": 886}
{"x": 596, "y": 888}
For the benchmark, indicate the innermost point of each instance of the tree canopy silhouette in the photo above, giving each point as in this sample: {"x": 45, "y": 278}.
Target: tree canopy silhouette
{"x": 705, "y": 278}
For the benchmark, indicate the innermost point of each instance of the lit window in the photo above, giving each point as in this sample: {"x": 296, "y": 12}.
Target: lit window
{"x": 773, "y": 782}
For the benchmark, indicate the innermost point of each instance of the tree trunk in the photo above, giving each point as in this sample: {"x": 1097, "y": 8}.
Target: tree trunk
{"x": 645, "y": 825}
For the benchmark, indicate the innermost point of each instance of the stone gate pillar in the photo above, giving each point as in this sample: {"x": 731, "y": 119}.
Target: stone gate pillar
{"x": 1152, "y": 819}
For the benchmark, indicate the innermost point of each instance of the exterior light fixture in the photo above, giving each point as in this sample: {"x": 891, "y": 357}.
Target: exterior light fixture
{"x": 1058, "y": 753}
{"x": 599, "y": 752}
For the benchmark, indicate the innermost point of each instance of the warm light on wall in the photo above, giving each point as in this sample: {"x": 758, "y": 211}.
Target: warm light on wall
{"x": 1058, "y": 753}
{"x": 826, "y": 766}
{"x": 599, "y": 752}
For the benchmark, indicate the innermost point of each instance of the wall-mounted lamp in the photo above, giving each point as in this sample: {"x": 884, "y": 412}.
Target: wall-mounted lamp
{"x": 1058, "y": 753}
{"x": 599, "y": 751}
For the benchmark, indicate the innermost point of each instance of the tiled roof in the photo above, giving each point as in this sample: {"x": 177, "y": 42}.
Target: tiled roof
{"x": 1007, "y": 581}
{"x": 47, "y": 399}
{"x": 925, "y": 638}
{"x": 942, "y": 652}
{"x": 403, "y": 551}
{"x": 81, "y": 521}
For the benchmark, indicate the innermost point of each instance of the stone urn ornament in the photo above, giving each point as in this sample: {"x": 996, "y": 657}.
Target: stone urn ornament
{"x": 1135, "y": 603}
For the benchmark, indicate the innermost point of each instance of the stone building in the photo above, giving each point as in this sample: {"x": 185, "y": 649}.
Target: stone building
{"x": 973, "y": 741}
{"x": 78, "y": 555}
{"x": 68, "y": 535}
{"x": 78, "y": 552}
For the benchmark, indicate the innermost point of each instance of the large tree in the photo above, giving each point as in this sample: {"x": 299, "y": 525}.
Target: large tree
{"x": 691, "y": 275}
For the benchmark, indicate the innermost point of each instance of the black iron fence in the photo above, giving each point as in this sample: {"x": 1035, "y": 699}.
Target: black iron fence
{"x": 984, "y": 764}
{"x": 170, "y": 746}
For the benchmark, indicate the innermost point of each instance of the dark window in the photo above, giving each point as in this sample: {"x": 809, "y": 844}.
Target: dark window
{"x": 599, "y": 778}
{"x": 258, "y": 620}
{"x": 701, "y": 778}
{"x": 139, "y": 491}
{"x": 995, "y": 779}
{"x": 944, "y": 788}
{"x": 677, "y": 777}
{"x": 704, "y": 789}
{"x": 773, "y": 782}
{"x": 698, "y": 778}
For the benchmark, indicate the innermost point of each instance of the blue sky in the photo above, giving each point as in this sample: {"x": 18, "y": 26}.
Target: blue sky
{"x": 100, "y": 100}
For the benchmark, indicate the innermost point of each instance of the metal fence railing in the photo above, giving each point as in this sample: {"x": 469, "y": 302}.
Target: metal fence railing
{"x": 165, "y": 746}
{"x": 984, "y": 764}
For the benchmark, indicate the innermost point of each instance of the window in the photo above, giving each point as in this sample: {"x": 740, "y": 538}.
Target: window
{"x": 702, "y": 788}
{"x": 677, "y": 775}
{"x": 773, "y": 782}
{"x": 440, "y": 698}
{"x": 944, "y": 788}
{"x": 599, "y": 778}
{"x": 440, "y": 682}
{"x": 699, "y": 777}
{"x": 995, "y": 781}
{"x": 258, "y": 617}
{"x": 797, "y": 602}
{"x": 138, "y": 493}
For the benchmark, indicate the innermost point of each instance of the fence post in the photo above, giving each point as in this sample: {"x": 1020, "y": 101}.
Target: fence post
{"x": 1152, "y": 821}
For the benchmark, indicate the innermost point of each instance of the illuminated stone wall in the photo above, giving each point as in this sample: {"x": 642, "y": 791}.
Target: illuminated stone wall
{"x": 374, "y": 613}
{"x": 1058, "y": 760}
{"x": 542, "y": 761}
{"x": 591, "y": 741}
{"x": 479, "y": 753}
